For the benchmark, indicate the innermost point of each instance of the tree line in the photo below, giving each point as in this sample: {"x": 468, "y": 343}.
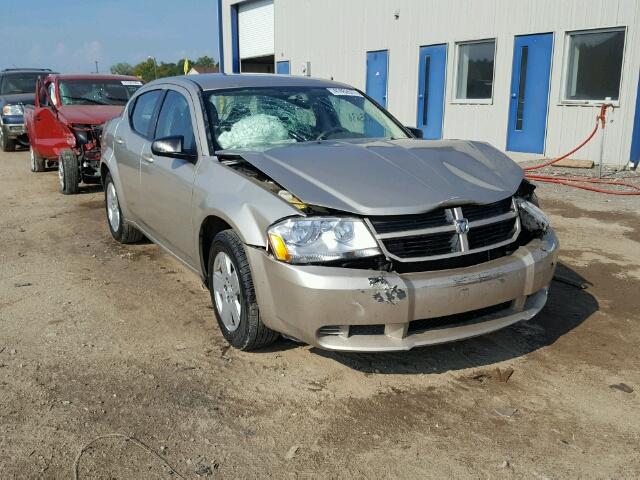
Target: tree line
{"x": 150, "y": 69}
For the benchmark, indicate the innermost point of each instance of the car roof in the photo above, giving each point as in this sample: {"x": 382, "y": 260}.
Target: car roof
{"x": 22, "y": 71}
{"x": 25, "y": 70}
{"x": 213, "y": 81}
{"x": 93, "y": 76}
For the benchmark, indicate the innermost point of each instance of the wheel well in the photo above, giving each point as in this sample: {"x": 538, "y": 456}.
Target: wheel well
{"x": 211, "y": 226}
{"x": 103, "y": 172}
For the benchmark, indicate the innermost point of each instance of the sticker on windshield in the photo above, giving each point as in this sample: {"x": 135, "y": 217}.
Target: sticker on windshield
{"x": 131, "y": 82}
{"x": 344, "y": 92}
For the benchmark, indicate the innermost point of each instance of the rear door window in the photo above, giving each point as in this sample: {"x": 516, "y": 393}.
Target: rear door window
{"x": 143, "y": 111}
{"x": 175, "y": 121}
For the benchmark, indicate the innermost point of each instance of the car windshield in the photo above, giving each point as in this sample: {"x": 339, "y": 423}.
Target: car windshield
{"x": 22, "y": 83}
{"x": 97, "y": 92}
{"x": 258, "y": 118}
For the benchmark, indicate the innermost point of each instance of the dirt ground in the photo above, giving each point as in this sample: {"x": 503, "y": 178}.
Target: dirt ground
{"x": 96, "y": 338}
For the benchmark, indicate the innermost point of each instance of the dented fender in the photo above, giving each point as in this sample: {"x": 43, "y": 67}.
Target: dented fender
{"x": 249, "y": 208}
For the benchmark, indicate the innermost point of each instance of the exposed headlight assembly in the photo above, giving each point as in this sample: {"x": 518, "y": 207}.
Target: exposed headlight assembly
{"x": 13, "y": 110}
{"x": 531, "y": 217}
{"x": 321, "y": 239}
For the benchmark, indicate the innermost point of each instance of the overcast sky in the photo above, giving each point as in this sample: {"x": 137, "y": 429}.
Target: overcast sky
{"x": 69, "y": 35}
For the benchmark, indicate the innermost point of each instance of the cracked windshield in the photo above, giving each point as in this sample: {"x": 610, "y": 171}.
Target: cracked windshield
{"x": 97, "y": 92}
{"x": 259, "y": 118}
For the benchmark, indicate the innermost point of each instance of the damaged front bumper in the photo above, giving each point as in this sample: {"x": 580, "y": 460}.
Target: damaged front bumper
{"x": 14, "y": 129}
{"x": 365, "y": 310}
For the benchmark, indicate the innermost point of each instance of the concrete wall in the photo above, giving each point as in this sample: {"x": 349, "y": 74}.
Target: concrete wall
{"x": 334, "y": 35}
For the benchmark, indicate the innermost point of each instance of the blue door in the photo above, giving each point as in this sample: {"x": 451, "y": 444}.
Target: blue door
{"x": 431, "y": 80}
{"x": 635, "y": 140}
{"x": 529, "y": 93}
{"x": 377, "y": 65}
{"x": 282, "y": 67}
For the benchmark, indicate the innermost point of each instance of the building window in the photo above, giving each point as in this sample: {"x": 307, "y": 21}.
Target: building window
{"x": 474, "y": 73}
{"x": 594, "y": 65}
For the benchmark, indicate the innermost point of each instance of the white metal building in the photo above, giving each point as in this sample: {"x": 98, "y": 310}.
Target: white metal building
{"x": 527, "y": 76}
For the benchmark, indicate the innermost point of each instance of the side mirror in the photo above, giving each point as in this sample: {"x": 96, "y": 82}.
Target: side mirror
{"x": 416, "y": 132}
{"x": 171, "y": 147}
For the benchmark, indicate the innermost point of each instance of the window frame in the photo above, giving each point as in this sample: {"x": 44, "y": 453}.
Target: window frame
{"x": 154, "y": 116}
{"x": 456, "y": 60}
{"x": 563, "y": 100}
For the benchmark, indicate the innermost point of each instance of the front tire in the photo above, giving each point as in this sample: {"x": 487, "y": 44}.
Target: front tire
{"x": 233, "y": 295}
{"x": 6, "y": 144}
{"x": 120, "y": 230}
{"x": 68, "y": 173}
{"x": 37, "y": 162}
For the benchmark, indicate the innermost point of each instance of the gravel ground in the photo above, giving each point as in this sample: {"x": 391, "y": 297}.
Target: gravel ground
{"x": 98, "y": 339}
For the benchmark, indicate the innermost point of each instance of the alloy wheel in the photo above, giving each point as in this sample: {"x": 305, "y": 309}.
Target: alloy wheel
{"x": 226, "y": 291}
{"x": 113, "y": 207}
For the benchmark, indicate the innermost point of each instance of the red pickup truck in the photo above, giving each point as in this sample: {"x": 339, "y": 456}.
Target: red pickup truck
{"x": 65, "y": 124}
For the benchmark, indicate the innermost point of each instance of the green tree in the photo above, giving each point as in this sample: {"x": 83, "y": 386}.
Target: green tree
{"x": 146, "y": 70}
{"x": 206, "y": 61}
{"x": 122, "y": 68}
{"x": 149, "y": 70}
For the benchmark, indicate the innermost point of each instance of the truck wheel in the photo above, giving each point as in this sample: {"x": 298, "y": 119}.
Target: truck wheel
{"x": 6, "y": 144}
{"x": 120, "y": 230}
{"x": 37, "y": 162}
{"x": 233, "y": 294}
{"x": 68, "y": 172}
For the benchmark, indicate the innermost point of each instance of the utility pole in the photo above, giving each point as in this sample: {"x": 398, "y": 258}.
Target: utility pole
{"x": 97, "y": 71}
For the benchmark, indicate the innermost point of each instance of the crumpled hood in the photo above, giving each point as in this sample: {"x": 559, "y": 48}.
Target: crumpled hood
{"x": 89, "y": 114}
{"x": 17, "y": 98}
{"x": 394, "y": 177}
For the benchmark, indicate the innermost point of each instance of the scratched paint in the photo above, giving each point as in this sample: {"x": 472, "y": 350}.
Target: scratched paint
{"x": 385, "y": 292}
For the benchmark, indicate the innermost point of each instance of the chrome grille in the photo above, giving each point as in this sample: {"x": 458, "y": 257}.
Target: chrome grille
{"x": 489, "y": 235}
{"x": 396, "y": 223}
{"x": 480, "y": 212}
{"x": 447, "y": 232}
{"x": 422, "y": 245}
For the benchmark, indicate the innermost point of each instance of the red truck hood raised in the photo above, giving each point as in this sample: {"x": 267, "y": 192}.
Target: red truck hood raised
{"x": 88, "y": 114}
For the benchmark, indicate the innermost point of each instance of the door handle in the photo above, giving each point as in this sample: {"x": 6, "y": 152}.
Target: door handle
{"x": 119, "y": 140}
{"x": 513, "y": 95}
{"x": 147, "y": 158}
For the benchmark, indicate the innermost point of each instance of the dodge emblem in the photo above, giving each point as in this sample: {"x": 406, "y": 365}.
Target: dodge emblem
{"x": 462, "y": 226}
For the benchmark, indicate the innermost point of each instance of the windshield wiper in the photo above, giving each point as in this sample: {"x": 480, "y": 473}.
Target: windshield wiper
{"x": 91, "y": 100}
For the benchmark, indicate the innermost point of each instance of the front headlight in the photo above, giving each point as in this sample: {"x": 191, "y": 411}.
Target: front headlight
{"x": 531, "y": 217}
{"x": 13, "y": 110}
{"x": 321, "y": 239}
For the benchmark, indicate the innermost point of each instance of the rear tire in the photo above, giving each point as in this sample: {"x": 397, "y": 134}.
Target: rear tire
{"x": 6, "y": 144}
{"x": 243, "y": 329}
{"x": 69, "y": 173}
{"x": 120, "y": 230}
{"x": 37, "y": 162}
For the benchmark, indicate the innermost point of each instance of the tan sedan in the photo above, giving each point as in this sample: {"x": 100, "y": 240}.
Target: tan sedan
{"x": 309, "y": 211}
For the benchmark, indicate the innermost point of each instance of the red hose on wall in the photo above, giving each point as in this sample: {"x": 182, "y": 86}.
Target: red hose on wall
{"x": 583, "y": 182}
